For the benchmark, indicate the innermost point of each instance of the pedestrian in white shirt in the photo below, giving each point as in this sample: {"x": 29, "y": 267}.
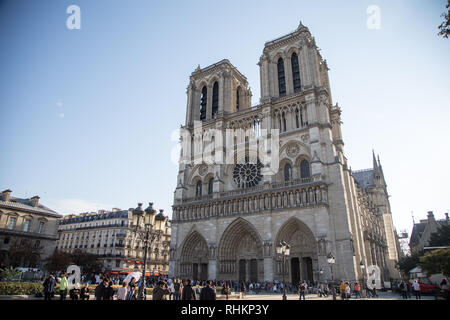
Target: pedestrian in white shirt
{"x": 122, "y": 292}
{"x": 416, "y": 288}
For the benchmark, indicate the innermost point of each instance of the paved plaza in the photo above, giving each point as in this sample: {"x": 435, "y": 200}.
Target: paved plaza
{"x": 381, "y": 296}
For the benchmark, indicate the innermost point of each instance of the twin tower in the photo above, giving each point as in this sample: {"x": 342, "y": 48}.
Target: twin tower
{"x": 229, "y": 216}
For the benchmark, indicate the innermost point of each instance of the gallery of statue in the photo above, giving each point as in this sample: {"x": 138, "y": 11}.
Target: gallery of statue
{"x": 229, "y": 218}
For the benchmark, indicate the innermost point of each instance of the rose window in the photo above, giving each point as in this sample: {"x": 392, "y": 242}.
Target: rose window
{"x": 247, "y": 174}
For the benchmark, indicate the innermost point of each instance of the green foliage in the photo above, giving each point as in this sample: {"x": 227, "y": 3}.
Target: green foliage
{"x": 409, "y": 262}
{"x": 436, "y": 261}
{"x": 60, "y": 260}
{"x": 8, "y": 274}
{"x": 20, "y": 288}
{"x": 444, "y": 27}
{"x": 88, "y": 262}
{"x": 441, "y": 237}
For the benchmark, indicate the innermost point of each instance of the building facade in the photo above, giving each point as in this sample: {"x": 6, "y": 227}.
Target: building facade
{"x": 228, "y": 216}
{"x": 28, "y": 231}
{"x": 111, "y": 236}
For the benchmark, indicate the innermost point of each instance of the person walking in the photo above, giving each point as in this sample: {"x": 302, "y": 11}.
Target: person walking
{"x": 177, "y": 290}
{"x": 226, "y": 290}
{"x": 171, "y": 288}
{"x": 357, "y": 291}
{"x": 49, "y": 287}
{"x": 404, "y": 290}
{"x": 160, "y": 292}
{"x": 348, "y": 290}
{"x": 302, "y": 291}
{"x": 63, "y": 286}
{"x": 132, "y": 289}
{"x": 416, "y": 287}
{"x": 242, "y": 290}
{"x": 207, "y": 292}
{"x": 188, "y": 293}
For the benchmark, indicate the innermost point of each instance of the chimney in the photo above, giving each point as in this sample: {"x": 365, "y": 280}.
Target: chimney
{"x": 430, "y": 215}
{"x": 5, "y": 195}
{"x": 35, "y": 201}
{"x": 446, "y": 216}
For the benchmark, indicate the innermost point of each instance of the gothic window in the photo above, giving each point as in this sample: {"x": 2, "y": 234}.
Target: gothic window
{"x": 237, "y": 99}
{"x": 296, "y": 118}
{"x": 284, "y": 122}
{"x": 198, "y": 188}
{"x": 281, "y": 78}
{"x": 215, "y": 99}
{"x": 247, "y": 174}
{"x": 304, "y": 169}
{"x": 210, "y": 185}
{"x": 295, "y": 72}
{"x": 287, "y": 172}
{"x": 203, "y": 103}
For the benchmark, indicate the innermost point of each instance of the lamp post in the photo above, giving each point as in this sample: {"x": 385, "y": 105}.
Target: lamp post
{"x": 283, "y": 251}
{"x": 148, "y": 226}
{"x": 331, "y": 261}
{"x": 362, "y": 266}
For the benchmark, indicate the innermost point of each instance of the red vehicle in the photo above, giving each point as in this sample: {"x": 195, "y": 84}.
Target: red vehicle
{"x": 428, "y": 288}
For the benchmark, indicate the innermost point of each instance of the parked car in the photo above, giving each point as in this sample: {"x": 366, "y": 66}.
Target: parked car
{"x": 426, "y": 288}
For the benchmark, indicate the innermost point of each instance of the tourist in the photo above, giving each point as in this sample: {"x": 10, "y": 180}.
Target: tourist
{"x": 74, "y": 293}
{"x": 84, "y": 293}
{"x": 207, "y": 292}
{"x": 187, "y": 292}
{"x": 177, "y": 290}
{"x": 132, "y": 289}
{"x": 63, "y": 285}
{"x": 160, "y": 292}
{"x": 49, "y": 287}
{"x": 416, "y": 287}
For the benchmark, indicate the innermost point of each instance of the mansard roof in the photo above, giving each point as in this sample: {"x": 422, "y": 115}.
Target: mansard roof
{"x": 94, "y": 217}
{"x": 26, "y": 204}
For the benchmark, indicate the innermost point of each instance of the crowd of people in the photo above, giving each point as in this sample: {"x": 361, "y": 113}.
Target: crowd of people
{"x": 176, "y": 289}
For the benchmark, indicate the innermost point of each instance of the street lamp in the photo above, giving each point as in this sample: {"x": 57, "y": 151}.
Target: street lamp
{"x": 148, "y": 226}
{"x": 283, "y": 251}
{"x": 362, "y": 266}
{"x": 331, "y": 261}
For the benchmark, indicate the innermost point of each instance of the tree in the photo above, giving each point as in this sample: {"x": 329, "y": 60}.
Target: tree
{"x": 436, "y": 261}
{"x": 407, "y": 263}
{"x": 441, "y": 237}
{"x": 24, "y": 253}
{"x": 58, "y": 261}
{"x": 445, "y": 26}
{"x": 88, "y": 262}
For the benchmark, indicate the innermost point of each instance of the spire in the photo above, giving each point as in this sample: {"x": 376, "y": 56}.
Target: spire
{"x": 375, "y": 165}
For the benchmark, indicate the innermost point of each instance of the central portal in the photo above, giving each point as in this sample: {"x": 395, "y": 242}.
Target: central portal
{"x": 242, "y": 270}
{"x": 295, "y": 271}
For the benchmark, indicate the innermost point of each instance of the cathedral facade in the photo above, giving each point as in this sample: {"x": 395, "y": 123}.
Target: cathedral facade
{"x": 232, "y": 206}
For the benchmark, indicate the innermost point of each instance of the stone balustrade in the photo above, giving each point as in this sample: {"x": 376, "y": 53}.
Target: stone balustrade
{"x": 275, "y": 196}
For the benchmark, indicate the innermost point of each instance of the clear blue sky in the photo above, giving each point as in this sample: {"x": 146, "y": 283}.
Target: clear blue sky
{"x": 87, "y": 115}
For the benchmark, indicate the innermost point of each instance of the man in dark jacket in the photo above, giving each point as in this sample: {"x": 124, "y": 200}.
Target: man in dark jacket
{"x": 207, "y": 292}
{"x": 100, "y": 290}
{"x": 188, "y": 293}
{"x": 159, "y": 293}
{"x": 49, "y": 287}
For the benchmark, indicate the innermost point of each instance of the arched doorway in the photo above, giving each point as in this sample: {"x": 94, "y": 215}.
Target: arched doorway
{"x": 240, "y": 253}
{"x": 194, "y": 257}
{"x": 303, "y": 254}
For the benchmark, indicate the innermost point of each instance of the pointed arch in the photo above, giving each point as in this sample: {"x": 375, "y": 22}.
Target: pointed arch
{"x": 295, "y": 72}
{"x": 233, "y": 236}
{"x": 298, "y": 235}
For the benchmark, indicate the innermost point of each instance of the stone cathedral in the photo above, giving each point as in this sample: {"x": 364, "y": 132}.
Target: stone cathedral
{"x": 229, "y": 217}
